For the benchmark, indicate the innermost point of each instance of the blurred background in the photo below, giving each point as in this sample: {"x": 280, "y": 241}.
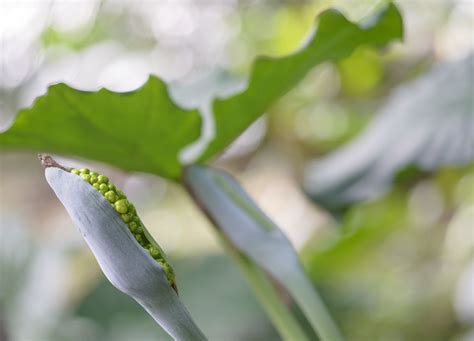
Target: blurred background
{"x": 393, "y": 264}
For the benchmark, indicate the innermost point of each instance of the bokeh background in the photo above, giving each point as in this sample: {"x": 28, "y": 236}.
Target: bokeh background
{"x": 396, "y": 267}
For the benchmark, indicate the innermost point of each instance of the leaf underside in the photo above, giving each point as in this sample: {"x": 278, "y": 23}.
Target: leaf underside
{"x": 145, "y": 130}
{"x": 426, "y": 124}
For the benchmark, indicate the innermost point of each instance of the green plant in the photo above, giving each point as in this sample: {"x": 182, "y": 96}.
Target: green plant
{"x": 122, "y": 130}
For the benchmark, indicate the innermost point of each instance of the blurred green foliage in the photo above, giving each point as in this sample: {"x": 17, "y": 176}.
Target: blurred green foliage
{"x": 387, "y": 275}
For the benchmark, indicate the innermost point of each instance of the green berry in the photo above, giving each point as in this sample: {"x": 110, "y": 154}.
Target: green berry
{"x": 103, "y": 179}
{"x": 139, "y": 229}
{"x": 127, "y": 213}
{"x": 126, "y": 217}
{"x": 121, "y": 206}
{"x": 133, "y": 226}
{"x": 168, "y": 271}
{"x": 85, "y": 177}
{"x": 110, "y": 196}
{"x": 140, "y": 239}
{"x": 154, "y": 252}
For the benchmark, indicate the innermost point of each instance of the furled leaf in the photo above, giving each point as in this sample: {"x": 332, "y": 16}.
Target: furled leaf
{"x": 124, "y": 262}
{"x": 249, "y": 231}
{"x": 427, "y": 124}
{"x": 145, "y": 130}
{"x": 335, "y": 38}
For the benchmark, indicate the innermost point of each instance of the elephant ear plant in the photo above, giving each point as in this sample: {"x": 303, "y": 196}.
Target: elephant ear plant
{"x": 126, "y": 252}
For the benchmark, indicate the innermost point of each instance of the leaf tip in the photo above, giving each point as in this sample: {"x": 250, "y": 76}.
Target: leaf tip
{"x": 47, "y": 162}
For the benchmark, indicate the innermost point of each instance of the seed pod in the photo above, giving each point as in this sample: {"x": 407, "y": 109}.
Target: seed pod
{"x": 126, "y": 210}
{"x": 126, "y": 263}
{"x": 122, "y": 206}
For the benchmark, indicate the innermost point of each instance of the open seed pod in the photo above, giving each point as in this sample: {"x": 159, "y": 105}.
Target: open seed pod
{"x": 135, "y": 266}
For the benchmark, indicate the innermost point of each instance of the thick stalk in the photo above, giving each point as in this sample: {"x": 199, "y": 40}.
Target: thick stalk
{"x": 183, "y": 328}
{"x": 249, "y": 232}
{"x": 313, "y": 307}
{"x": 280, "y": 314}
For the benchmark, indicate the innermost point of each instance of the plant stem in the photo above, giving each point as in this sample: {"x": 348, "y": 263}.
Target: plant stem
{"x": 309, "y": 301}
{"x": 184, "y": 328}
{"x": 283, "y": 319}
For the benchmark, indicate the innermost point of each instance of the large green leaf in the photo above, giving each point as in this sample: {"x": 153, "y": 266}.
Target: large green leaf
{"x": 335, "y": 38}
{"x": 141, "y": 130}
{"x": 427, "y": 124}
{"x": 145, "y": 130}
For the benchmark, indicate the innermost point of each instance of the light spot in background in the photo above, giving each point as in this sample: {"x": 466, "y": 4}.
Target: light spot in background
{"x": 178, "y": 226}
{"x": 248, "y": 141}
{"x": 18, "y": 61}
{"x": 277, "y": 192}
{"x": 127, "y": 72}
{"x": 42, "y": 273}
{"x": 20, "y": 26}
{"x": 22, "y": 19}
{"x": 144, "y": 188}
{"x": 78, "y": 328}
{"x": 425, "y": 204}
{"x": 80, "y": 70}
{"x": 323, "y": 122}
{"x": 419, "y": 34}
{"x": 203, "y": 33}
{"x": 464, "y": 296}
{"x": 92, "y": 62}
{"x": 356, "y": 10}
{"x": 361, "y": 72}
{"x": 459, "y": 241}
{"x": 192, "y": 152}
{"x": 67, "y": 16}
{"x": 456, "y": 39}
{"x": 171, "y": 63}
{"x": 198, "y": 91}
{"x": 322, "y": 83}
{"x": 60, "y": 64}
{"x": 212, "y": 35}
{"x": 464, "y": 192}
{"x": 173, "y": 19}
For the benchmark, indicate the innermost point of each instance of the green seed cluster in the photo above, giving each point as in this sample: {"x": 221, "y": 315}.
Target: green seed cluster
{"x": 128, "y": 214}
